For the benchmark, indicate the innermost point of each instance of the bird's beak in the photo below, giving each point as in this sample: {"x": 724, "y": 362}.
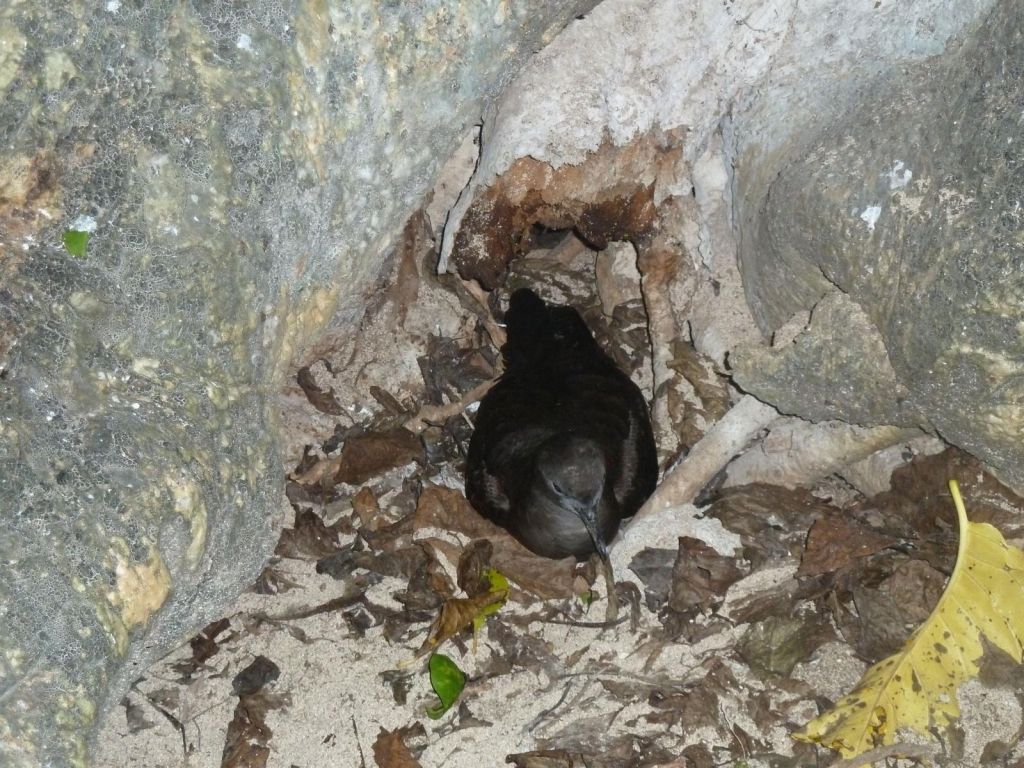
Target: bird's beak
{"x": 589, "y": 517}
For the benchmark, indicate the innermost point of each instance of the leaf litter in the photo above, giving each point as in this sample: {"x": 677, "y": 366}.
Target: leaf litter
{"x": 385, "y": 560}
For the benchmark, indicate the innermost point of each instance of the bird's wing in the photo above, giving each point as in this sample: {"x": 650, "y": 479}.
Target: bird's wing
{"x": 638, "y": 472}
{"x": 501, "y": 471}
{"x": 628, "y": 459}
{"x": 509, "y": 428}
{"x": 484, "y": 491}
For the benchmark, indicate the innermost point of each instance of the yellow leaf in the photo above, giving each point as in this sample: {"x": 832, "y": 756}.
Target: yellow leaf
{"x": 457, "y": 613}
{"x": 916, "y": 688}
{"x": 498, "y": 586}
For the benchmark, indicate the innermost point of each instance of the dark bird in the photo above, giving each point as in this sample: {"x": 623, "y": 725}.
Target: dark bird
{"x": 562, "y": 449}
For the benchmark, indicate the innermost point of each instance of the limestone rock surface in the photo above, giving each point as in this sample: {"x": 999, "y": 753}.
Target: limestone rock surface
{"x": 240, "y": 171}
{"x": 865, "y": 150}
{"x": 908, "y": 202}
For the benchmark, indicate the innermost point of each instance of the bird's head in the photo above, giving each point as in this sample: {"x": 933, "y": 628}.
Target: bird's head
{"x": 572, "y": 473}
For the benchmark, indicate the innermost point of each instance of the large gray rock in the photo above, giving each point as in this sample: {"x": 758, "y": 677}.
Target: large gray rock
{"x": 243, "y": 168}
{"x": 860, "y": 157}
{"x": 909, "y": 203}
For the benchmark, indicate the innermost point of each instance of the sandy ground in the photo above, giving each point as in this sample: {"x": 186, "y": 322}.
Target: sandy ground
{"x": 620, "y": 696}
{"x": 724, "y": 654}
{"x": 338, "y": 701}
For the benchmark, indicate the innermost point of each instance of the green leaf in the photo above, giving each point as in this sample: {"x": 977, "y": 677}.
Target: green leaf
{"x": 75, "y": 242}
{"x": 497, "y": 581}
{"x": 447, "y": 680}
{"x": 499, "y": 586}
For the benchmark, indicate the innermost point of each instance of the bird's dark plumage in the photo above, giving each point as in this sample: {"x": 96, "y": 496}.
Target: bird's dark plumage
{"x": 562, "y": 450}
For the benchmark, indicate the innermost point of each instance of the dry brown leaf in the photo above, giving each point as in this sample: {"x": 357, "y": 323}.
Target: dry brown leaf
{"x": 457, "y": 613}
{"x": 705, "y": 401}
{"x": 204, "y": 645}
{"x": 310, "y": 538}
{"x": 449, "y": 369}
{"x": 392, "y": 405}
{"x": 441, "y": 551}
{"x": 781, "y": 598}
{"x": 390, "y": 749}
{"x": 695, "y": 756}
{"x": 416, "y": 240}
{"x": 366, "y": 508}
{"x": 135, "y": 716}
{"x": 777, "y": 644}
{"x": 167, "y": 698}
{"x": 258, "y": 674}
{"x": 448, "y": 509}
{"x": 390, "y": 537}
{"x": 400, "y": 683}
{"x": 916, "y": 588}
{"x": 322, "y": 400}
{"x": 548, "y": 758}
{"x": 544, "y": 578}
{"x": 772, "y": 521}
{"x": 272, "y": 581}
{"x": 466, "y": 719}
{"x": 523, "y": 650}
{"x": 247, "y": 743}
{"x": 320, "y": 473}
{"x": 835, "y": 541}
{"x": 711, "y": 387}
{"x": 687, "y": 710}
{"x": 445, "y": 508}
{"x": 917, "y": 508}
{"x": 427, "y": 588}
{"x": 877, "y": 627}
{"x": 919, "y": 503}
{"x": 700, "y": 577}
{"x": 473, "y": 562}
{"x": 374, "y": 453}
{"x": 401, "y": 563}
{"x": 363, "y": 457}
{"x": 654, "y": 569}
{"x": 888, "y": 607}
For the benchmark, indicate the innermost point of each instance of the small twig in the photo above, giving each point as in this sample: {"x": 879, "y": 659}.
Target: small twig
{"x": 495, "y": 331}
{"x": 339, "y": 603}
{"x": 588, "y": 679}
{"x": 608, "y": 624}
{"x": 611, "y": 615}
{"x": 569, "y": 621}
{"x": 438, "y": 414}
{"x": 175, "y": 723}
{"x": 550, "y": 710}
{"x": 716, "y": 449}
{"x": 359, "y": 746}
